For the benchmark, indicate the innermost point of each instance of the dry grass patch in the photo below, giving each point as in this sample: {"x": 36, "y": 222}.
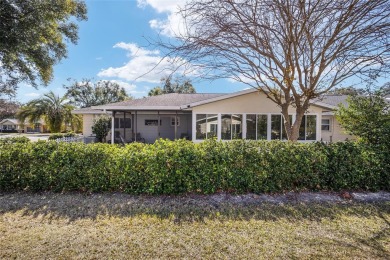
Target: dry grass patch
{"x": 96, "y": 226}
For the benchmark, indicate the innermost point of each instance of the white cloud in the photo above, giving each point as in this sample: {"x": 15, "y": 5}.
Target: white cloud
{"x": 134, "y": 50}
{"x": 32, "y": 94}
{"x": 162, "y": 6}
{"x": 171, "y": 25}
{"x": 144, "y": 65}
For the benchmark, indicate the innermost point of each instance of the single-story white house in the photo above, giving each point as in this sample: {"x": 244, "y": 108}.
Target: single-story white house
{"x": 10, "y": 125}
{"x": 246, "y": 114}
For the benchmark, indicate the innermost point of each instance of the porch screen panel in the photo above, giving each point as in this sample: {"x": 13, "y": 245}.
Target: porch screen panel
{"x": 231, "y": 126}
{"x": 308, "y": 129}
{"x": 261, "y": 127}
{"x": 201, "y": 126}
{"x": 212, "y": 125}
{"x": 284, "y": 133}
{"x": 116, "y": 123}
{"x": 206, "y": 126}
{"x": 251, "y": 127}
{"x": 311, "y": 127}
{"x": 302, "y": 129}
{"x": 276, "y": 121}
{"x": 125, "y": 123}
{"x": 226, "y": 127}
{"x": 236, "y": 126}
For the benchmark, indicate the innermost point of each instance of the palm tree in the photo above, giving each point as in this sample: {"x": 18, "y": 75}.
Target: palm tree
{"x": 54, "y": 109}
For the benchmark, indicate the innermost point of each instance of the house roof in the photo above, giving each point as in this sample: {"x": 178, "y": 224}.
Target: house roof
{"x": 88, "y": 110}
{"x": 172, "y": 101}
{"x": 333, "y": 100}
{"x": 220, "y": 97}
{"x": 11, "y": 120}
{"x": 17, "y": 122}
{"x": 176, "y": 101}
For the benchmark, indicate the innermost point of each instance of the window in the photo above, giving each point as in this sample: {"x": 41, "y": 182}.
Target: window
{"x": 206, "y": 126}
{"x": 308, "y": 128}
{"x": 325, "y": 124}
{"x": 152, "y": 122}
{"x": 231, "y": 127}
{"x": 173, "y": 121}
{"x": 122, "y": 122}
{"x": 256, "y": 127}
{"x": 278, "y": 131}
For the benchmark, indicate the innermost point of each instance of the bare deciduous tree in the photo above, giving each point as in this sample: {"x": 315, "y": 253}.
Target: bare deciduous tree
{"x": 292, "y": 50}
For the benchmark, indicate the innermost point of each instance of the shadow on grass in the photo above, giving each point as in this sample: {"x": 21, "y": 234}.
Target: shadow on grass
{"x": 222, "y": 207}
{"x": 190, "y": 208}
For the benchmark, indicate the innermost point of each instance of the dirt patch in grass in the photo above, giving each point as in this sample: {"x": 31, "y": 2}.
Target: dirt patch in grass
{"x": 223, "y": 226}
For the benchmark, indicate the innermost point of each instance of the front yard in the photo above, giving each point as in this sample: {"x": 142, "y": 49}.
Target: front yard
{"x": 97, "y": 226}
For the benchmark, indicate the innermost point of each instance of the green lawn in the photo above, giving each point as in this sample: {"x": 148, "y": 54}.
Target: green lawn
{"x": 121, "y": 226}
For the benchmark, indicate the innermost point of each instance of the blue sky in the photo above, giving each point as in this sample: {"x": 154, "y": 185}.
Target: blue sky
{"x": 112, "y": 46}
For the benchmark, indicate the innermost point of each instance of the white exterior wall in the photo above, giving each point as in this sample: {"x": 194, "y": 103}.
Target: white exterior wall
{"x": 87, "y": 124}
{"x": 336, "y": 132}
{"x": 251, "y": 103}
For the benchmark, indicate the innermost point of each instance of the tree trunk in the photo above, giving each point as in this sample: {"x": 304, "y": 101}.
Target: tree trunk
{"x": 292, "y": 129}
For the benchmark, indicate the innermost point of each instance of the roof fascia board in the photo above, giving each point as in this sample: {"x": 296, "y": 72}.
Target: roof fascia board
{"x": 119, "y": 108}
{"x": 222, "y": 97}
{"x": 81, "y": 112}
{"x": 324, "y": 105}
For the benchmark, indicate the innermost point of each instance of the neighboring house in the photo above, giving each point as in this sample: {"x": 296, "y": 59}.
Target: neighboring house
{"x": 10, "y": 125}
{"x": 247, "y": 114}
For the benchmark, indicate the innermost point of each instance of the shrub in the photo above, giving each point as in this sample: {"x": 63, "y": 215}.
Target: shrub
{"x": 61, "y": 135}
{"x": 101, "y": 127}
{"x": 13, "y": 140}
{"x": 172, "y": 167}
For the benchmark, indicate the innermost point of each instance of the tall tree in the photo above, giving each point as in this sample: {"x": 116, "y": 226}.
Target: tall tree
{"x": 293, "y": 51}
{"x": 346, "y": 91}
{"x": 87, "y": 93}
{"x": 33, "y": 38}
{"x": 8, "y": 109}
{"x": 55, "y": 110}
{"x": 177, "y": 85}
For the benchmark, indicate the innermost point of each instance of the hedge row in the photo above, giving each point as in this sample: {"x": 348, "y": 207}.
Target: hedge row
{"x": 168, "y": 167}
{"x": 12, "y": 140}
{"x": 61, "y": 135}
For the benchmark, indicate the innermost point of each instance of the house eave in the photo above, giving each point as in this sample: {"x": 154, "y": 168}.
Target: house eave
{"x": 223, "y": 97}
{"x": 138, "y": 108}
{"x": 323, "y": 105}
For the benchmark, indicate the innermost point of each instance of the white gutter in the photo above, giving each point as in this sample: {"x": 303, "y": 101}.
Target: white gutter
{"x": 222, "y": 97}
{"x": 119, "y": 108}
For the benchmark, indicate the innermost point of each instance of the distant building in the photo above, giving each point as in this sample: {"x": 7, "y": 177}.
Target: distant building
{"x": 11, "y": 125}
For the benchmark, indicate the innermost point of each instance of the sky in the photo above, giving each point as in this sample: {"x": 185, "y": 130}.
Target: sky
{"x": 112, "y": 46}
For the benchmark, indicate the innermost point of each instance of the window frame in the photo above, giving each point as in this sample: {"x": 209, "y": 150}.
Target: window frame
{"x": 233, "y": 126}
{"x": 212, "y": 123}
{"x": 315, "y": 127}
{"x": 328, "y": 124}
{"x": 173, "y": 121}
{"x": 119, "y": 123}
{"x": 257, "y": 116}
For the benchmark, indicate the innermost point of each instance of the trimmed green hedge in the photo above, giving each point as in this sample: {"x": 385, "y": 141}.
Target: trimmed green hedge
{"x": 12, "y": 140}
{"x": 61, "y": 135}
{"x": 168, "y": 167}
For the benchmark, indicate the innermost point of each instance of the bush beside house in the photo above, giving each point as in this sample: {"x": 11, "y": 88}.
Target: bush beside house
{"x": 168, "y": 167}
